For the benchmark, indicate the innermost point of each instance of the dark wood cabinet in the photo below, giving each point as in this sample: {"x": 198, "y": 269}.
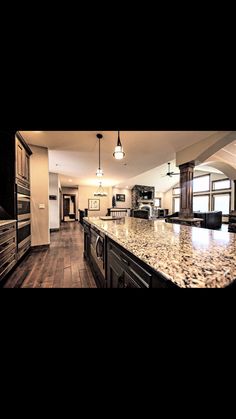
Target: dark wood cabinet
{"x": 122, "y": 268}
{"x": 120, "y": 277}
{"x": 15, "y": 186}
{"x": 22, "y": 162}
{"x": 125, "y": 270}
{"x": 86, "y": 242}
{"x": 232, "y": 222}
{"x": 8, "y": 257}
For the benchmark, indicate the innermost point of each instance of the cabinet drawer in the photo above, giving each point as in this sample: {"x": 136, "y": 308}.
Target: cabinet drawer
{"x": 4, "y": 230}
{"x": 7, "y": 245}
{"x": 6, "y": 257}
{"x": 133, "y": 268}
{"x": 23, "y": 250}
{"x": 7, "y": 265}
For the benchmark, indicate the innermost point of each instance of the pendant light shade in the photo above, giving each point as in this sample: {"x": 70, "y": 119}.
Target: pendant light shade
{"x": 119, "y": 152}
{"x": 100, "y": 191}
{"x": 99, "y": 172}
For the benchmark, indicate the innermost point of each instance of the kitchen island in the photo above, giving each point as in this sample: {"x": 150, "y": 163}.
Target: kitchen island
{"x": 167, "y": 254}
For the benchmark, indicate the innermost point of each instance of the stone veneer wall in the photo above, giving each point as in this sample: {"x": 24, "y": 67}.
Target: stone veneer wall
{"x": 135, "y": 194}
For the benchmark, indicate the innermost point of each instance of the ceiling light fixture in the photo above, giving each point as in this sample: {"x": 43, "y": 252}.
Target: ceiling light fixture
{"x": 99, "y": 172}
{"x": 100, "y": 191}
{"x": 119, "y": 152}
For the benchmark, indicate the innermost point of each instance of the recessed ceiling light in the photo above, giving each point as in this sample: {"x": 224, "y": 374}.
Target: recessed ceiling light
{"x": 70, "y": 180}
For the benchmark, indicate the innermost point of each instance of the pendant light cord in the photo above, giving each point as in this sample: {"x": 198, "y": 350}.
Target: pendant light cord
{"x": 119, "y": 142}
{"x": 99, "y": 163}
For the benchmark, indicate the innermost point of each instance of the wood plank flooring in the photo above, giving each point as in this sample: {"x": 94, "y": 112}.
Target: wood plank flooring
{"x": 60, "y": 266}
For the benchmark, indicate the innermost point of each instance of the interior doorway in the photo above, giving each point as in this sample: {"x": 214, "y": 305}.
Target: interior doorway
{"x": 69, "y": 207}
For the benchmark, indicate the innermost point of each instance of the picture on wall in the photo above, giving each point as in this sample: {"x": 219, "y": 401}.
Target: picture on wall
{"x": 94, "y": 204}
{"x": 120, "y": 197}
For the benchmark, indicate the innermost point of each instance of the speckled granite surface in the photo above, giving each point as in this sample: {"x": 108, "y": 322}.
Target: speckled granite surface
{"x": 188, "y": 256}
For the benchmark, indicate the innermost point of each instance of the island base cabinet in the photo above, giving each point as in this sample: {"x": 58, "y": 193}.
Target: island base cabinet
{"x": 126, "y": 271}
{"x": 119, "y": 277}
{"x": 122, "y": 272}
{"x": 86, "y": 243}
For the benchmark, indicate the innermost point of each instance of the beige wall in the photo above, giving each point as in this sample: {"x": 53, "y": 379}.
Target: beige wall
{"x": 168, "y": 201}
{"x": 87, "y": 192}
{"x": 39, "y": 195}
{"x": 71, "y": 191}
{"x": 127, "y": 193}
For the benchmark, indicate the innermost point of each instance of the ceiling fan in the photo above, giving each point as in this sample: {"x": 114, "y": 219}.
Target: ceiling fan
{"x": 169, "y": 173}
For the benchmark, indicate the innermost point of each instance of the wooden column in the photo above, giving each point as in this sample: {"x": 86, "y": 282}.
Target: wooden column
{"x": 186, "y": 189}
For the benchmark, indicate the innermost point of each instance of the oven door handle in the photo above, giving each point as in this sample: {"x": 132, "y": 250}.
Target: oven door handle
{"x": 21, "y": 197}
{"x": 22, "y": 224}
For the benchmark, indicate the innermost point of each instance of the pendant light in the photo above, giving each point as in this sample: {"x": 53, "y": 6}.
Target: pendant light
{"x": 99, "y": 172}
{"x": 100, "y": 191}
{"x": 119, "y": 153}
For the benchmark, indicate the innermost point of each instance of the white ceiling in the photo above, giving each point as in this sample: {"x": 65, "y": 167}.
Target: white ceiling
{"x": 74, "y": 154}
{"x": 157, "y": 177}
{"x": 227, "y": 154}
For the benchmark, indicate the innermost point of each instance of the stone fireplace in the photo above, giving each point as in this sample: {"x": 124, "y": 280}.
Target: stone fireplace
{"x": 140, "y": 195}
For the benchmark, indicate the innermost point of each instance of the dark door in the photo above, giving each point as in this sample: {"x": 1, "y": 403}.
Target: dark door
{"x": 66, "y": 207}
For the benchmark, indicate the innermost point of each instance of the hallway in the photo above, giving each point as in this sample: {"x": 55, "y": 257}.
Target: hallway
{"x": 60, "y": 266}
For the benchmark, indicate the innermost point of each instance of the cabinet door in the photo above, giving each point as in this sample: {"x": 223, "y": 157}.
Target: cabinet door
{"x": 87, "y": 246}
{"x": 22, "y": 163}
{"x": 20, "y": 158}
{"x": 129, "y": 282}
{"x": 115, "y": 274}
{"x": 27, "y": 167}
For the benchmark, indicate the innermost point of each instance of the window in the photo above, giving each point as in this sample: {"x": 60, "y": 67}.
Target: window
{"x": 221, "y": 202}
{"x": 201, "y": 184}
{"x": 201, "y": 203}
{"x": 221, "y": 184}
{"x": 176, "y": 191}
{"x": 157, "y": 202}
{"x": 176, "y": 204}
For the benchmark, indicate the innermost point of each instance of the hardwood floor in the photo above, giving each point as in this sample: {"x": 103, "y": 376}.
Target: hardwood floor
{"x": 60, "y": 266}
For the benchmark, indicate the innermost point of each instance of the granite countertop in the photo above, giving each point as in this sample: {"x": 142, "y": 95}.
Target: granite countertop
{"x": 190, "y": 257}
{"x": 6, "y": 222}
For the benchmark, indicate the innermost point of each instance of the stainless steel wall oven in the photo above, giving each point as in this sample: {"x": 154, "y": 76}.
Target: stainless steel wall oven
{"x": 23, "y": 201}
{"x": 23, "y": 217}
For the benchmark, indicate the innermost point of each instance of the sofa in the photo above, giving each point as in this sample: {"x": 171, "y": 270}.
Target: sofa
{"x": 140, "y": 214}
{"x": 211, "y": 219}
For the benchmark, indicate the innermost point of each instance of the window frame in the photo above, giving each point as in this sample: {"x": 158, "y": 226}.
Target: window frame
{"x": 173, "y": 203}
{"x": 160, "y": 199}
{"x": 213, "y": 201}
{"x": 176, "y": 194}
{"x": 202, "y": 192}
{"x": 209, "y": 200}
{"x": 221, "y": 180}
